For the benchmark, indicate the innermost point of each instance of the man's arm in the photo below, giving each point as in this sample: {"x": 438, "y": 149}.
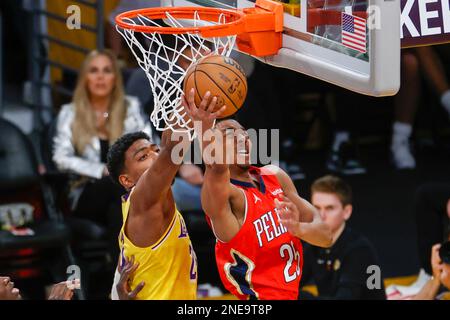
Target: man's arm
{"x": 217, "y": 196}
{"x": 156, "y": 181}
{"x": 217, "y": 191}
{"x": 299, "y": 216}
{"x": 154, "y": 184}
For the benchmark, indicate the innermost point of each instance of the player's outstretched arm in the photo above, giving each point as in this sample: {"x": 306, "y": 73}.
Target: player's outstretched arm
{"x": 217, "y": 196}
{"x": 217, "y": 192}
{"x": 299, "y": 216}
{"x": 156, "y": 181}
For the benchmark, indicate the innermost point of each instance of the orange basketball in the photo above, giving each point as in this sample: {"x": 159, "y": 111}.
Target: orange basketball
{"x": 223, "y": 77}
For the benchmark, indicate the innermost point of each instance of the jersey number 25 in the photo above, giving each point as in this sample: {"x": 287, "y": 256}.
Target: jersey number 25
{"x": 288, "y": 251}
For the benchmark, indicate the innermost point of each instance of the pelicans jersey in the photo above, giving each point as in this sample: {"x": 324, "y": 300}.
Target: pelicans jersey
{"x": 263, "y": 260}
{"x": 168, "y": 267}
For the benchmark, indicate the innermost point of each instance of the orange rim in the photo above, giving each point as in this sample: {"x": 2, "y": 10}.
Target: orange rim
{"x": 233, "y": 26}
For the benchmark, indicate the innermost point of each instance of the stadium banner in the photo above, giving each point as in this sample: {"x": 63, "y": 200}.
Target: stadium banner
{"x": 424, "y": 22}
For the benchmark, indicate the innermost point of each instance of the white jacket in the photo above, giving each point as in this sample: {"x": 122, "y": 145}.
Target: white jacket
{"x": 89, "y": 164}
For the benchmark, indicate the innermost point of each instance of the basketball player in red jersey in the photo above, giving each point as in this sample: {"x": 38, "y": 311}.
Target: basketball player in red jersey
{"x": 256, "y": 215}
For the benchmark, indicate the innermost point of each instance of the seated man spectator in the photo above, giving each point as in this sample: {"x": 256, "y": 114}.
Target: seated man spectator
{"x": 440, "y": 263}
{"x": 339, "y": 272}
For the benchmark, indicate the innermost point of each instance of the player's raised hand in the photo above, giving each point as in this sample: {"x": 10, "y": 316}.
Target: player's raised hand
{"x": 123, "y": 287}
{"x": 289, "y": 215}
{"x": 206, "y": 112}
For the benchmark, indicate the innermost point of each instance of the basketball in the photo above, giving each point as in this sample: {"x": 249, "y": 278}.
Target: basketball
{"x": 223, "y": 77}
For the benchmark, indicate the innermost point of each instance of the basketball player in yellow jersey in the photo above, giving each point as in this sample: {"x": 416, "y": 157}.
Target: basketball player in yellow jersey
{"x": 153, "y": 230}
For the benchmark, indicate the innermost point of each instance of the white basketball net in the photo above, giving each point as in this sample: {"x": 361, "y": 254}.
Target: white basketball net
{"x": 163, "y": 63}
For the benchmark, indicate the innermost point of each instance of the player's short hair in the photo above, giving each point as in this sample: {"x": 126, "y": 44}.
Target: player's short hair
{"x": 334, "y": 185}
{"x": 116, "y": 154}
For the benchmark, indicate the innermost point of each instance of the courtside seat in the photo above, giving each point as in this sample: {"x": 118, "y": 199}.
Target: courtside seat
{"x": 20, "y": 182}
{"x": 88, "y": 239}
{"x": 82, "y": 229}
{"x": 47, "y": 234}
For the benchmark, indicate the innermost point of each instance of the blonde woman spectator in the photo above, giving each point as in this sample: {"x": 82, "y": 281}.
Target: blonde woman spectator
{"x": 98, "y": 115}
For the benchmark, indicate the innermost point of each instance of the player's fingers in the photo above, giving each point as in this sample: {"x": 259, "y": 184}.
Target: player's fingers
{"x": 136, "y": 290}
{"x": 5, "y": 280}
{"x": 190, "y": 108}
{"x": 218, "y": 113}
{"x": 290, "y": 205}
{"x": 129, "y": 263}
{"x": 125, "y": 273}
{"x": 435, "y": 254}
{"x": 277, "y": 203}
{"x": 436, "y": 247}
{"x": 285, "y": 199}
{"x": 285, "y": 206}
{"x": 284, "y": 216}
{"x": 10, "y": 285}
{"x": 134, "y": 267}
{"x": 68, "y": 292}
{"x": 191, "y": 98}
{"x": 204, "y": 104}
{"x": 184, "y": 103}
{"x": 212, "y": 105}
{"x": 64, "y": 290}
{"x": 286, "y": 223}
{"x": 16, "y": 293}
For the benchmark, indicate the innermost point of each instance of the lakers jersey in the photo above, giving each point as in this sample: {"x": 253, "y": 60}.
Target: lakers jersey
{"x": 168, "y": 267}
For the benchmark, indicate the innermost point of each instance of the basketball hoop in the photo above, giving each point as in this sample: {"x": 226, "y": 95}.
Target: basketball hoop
{"x": 195, "y": 32}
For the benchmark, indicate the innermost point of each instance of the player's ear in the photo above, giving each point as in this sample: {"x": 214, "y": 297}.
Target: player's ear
{"x": 125, "y": 181}
{"x": 348, "y": 209}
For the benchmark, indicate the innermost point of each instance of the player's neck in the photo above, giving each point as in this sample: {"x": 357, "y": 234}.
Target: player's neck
{"x": 241, "y": 174}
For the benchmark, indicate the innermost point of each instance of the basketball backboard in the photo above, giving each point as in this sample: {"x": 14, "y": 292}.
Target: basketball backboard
{"x": 354, "y": 44}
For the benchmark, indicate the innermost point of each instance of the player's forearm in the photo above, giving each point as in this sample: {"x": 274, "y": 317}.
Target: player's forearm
{"x": 316, "y": 233}
{"x": 211, "y": 144}
{"x": 215, "y": 191}
{"x": 156, "y": 181}
{"x": 306, "y": 209}
{"x": 429, "y": 290}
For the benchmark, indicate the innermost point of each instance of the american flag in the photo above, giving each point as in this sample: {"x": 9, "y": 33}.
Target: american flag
{"x": 354, "y": 32}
